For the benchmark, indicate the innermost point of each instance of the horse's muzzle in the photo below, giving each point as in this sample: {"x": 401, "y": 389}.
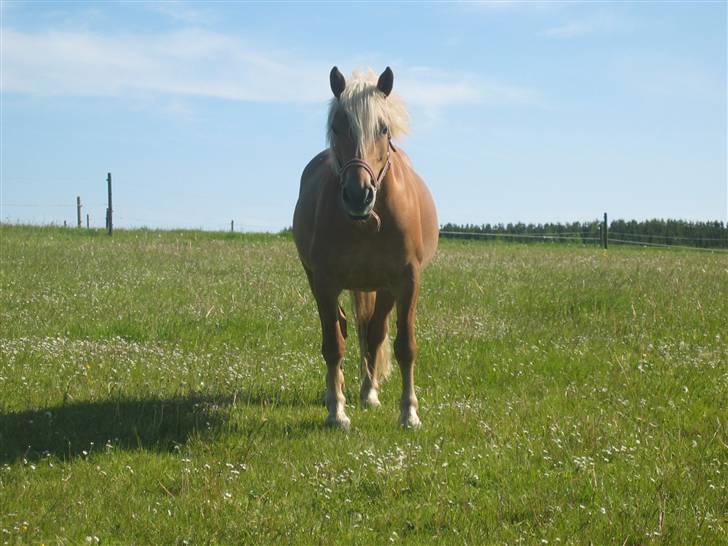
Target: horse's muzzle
{"x": 358, "y": 201}
{"x": 358, "y": 196}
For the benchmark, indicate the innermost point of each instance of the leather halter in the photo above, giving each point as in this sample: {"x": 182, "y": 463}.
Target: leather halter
{"x": 356, "y": 162}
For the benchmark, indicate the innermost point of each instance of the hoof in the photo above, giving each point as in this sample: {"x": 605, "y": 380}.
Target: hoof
{"x": 338, "y": 421}
{"x": 412, "y": 424}
{"x": 370, "y": 400}
{"x": 409, "y": 419}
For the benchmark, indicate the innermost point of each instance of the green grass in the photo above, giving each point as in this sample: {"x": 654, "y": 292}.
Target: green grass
{"x": 166, "y": 388}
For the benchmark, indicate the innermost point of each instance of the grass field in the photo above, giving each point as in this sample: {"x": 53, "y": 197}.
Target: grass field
{"x": 167, "y": 388}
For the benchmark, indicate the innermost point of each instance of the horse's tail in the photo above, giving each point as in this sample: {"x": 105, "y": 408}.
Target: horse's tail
{"x": 364, "y": 303}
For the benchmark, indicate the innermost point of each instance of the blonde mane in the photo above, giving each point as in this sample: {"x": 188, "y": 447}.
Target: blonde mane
{"x": 367, "y": 107}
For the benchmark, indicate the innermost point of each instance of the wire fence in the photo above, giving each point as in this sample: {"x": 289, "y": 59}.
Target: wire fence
{"x": 627, "y": 239}
{"x": 51, "y": 205}
{"x": 588, "y": 236}
{"x": 663, "y": 245}
{"x": 556, "y": 237}
{"x": 670, "y": 237}
{"x": 576, "y": 238}
{"x": 60, "y": 214}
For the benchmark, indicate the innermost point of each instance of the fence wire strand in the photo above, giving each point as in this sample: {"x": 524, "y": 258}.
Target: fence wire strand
{"x": 519, "y": 235}
{"x": 475, "y": 235}
{"x": 661, "y": 245}
{"x": 619, "y": 234}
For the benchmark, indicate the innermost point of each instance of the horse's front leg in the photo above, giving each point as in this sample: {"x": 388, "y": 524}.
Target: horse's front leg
{"x": 405, "y": 347}
{"x": 332, "y": 349}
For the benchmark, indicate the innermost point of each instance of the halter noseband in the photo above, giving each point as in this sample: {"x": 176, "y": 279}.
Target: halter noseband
{"x": 356, "y": 162}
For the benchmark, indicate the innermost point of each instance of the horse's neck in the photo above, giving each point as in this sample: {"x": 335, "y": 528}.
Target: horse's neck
{"x": 401, "y": 165}
{"x": 401, "y": 157}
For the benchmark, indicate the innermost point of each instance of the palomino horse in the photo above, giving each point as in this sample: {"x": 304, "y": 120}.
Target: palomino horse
{"x": 365, "y": 222}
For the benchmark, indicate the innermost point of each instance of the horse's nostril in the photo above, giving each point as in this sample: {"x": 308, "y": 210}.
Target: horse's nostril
{"x": 369, "y": 197}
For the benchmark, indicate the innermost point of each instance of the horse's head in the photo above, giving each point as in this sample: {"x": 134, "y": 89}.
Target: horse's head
{"x": 363, "y": 118}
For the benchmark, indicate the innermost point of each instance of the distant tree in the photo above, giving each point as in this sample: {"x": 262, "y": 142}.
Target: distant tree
{"x": 713, "y": 234}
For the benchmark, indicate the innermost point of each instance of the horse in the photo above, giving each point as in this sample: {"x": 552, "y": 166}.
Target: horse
{"x": 365, "y": 222}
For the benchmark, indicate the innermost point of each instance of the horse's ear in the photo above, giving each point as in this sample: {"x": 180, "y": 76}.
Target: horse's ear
{"x": 338, "y": 83}
{"x": 386, "y": 81}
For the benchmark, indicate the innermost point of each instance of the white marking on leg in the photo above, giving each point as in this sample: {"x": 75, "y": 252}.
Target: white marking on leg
{"x": 408, "y": 417}
{"x": 335, "y": 401}
{"x": 370, "y": 398}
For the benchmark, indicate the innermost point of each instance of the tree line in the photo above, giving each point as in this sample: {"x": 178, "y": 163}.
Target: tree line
{"x": 656, "y": 231}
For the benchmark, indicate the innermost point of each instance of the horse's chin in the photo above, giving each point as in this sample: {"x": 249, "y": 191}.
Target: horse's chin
{"x": 359, "y": 217}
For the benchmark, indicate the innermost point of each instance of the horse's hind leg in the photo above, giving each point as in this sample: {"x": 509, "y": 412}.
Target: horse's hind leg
{"x": 372, "y": 310}
{"x": 332, "y": 349}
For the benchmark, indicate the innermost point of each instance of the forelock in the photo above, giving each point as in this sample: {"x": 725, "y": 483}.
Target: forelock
{"x": 366, "y": 107}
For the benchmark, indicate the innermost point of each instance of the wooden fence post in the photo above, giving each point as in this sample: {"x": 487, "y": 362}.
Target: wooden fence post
{"x": 109, "y": 210}
{"x": 606, "y": 232}
{"x": 88, "y": 226}
{"x": 232, "y": 226}
{"x": 78, "y": 211}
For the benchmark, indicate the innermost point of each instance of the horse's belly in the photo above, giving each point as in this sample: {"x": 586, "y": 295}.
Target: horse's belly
{"x": 362, "y": 273}
{"x": 366, "y": 278}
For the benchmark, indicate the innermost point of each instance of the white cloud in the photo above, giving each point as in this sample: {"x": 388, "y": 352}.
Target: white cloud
{"x": 193, "y": 63}
{"x": 671, "y": 78}
{"x": 494, "y": 4}
{"x": 601, "y": 22}
{"x": 200, "y": 63}
{"x": 440, "y": 92}
{"x": 181, "y": 12}
{"x": 503, "y": 6}
{"x": 569, "y": 30}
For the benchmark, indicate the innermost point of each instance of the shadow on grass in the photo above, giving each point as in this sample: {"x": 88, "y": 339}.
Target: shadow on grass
{"x": 66, "y": 431}
{"x": 152, "y": 424}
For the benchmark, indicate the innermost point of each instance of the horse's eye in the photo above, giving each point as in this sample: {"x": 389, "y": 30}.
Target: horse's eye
{"x": 385, "y": 129}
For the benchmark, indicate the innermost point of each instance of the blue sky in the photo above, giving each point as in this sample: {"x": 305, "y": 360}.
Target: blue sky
{"x": 207, "y": 112}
